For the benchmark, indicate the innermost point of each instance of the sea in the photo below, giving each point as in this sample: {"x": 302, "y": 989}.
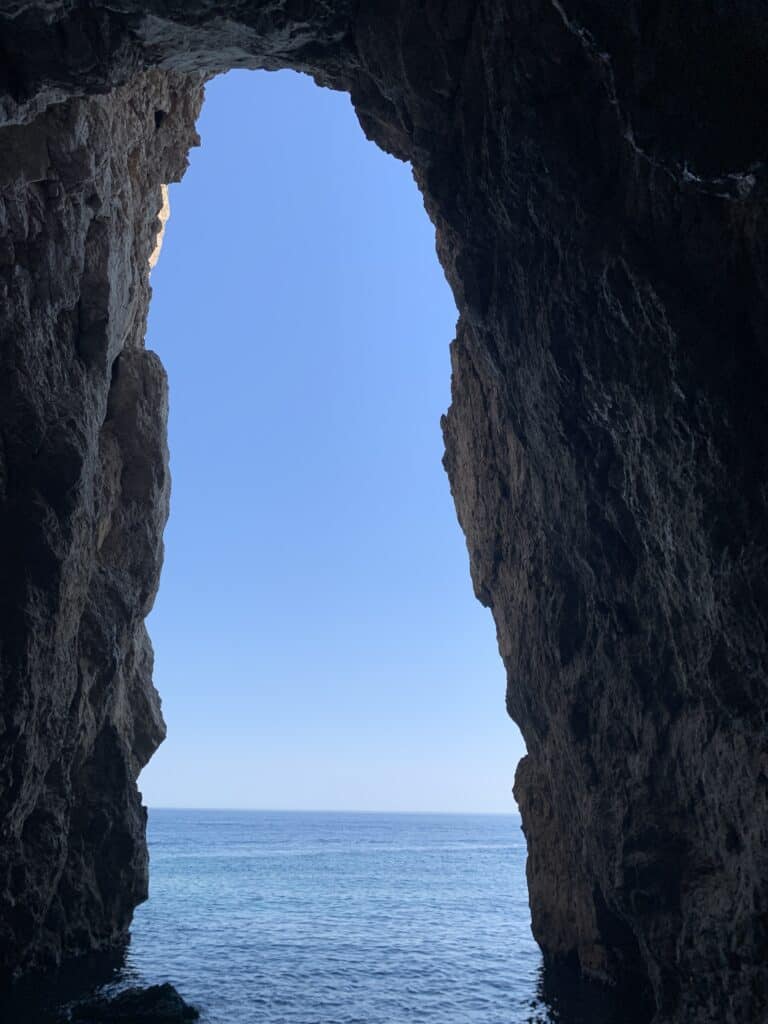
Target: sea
{"x": 266, "y": 917}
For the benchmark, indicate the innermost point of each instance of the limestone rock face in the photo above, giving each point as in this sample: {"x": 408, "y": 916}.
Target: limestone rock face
{"x": 84, "y": 487}
{"x": 596, "y": 175}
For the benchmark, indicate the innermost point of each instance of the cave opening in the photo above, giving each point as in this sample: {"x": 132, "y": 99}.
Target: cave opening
{"x": 343, "y": 664}
{"x": 600, "y": 214}
{"x": 304, "y": 323}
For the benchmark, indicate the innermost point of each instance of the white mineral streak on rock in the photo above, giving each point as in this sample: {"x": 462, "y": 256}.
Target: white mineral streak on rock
{"x": 163, "y": 215}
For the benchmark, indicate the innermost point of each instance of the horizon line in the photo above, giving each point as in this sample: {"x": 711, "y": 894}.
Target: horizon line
{"x": 333, "y": 810}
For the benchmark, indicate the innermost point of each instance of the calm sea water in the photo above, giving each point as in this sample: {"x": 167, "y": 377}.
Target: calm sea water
{"x": 302, "y": 918}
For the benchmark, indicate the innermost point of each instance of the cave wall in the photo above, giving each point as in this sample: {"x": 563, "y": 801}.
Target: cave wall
{"x": 595, "y": 173}
{"x": 84, "y": 485}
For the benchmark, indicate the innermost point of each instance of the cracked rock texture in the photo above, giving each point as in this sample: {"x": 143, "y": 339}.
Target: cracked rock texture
{"x": 84, "y": 489}
{"x": 595, "y": 172}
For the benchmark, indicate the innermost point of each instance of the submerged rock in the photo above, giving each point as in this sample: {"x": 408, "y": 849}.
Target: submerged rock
{"x": 158, "y": 1004}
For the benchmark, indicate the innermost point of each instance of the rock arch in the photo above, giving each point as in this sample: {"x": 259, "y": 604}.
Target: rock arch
{"x": 595, "y": 175}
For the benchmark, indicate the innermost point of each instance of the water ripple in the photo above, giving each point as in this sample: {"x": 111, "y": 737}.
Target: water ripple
{"x": 339, "y": 919}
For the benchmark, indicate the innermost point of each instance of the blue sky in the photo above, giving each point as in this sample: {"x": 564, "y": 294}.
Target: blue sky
{"x": 318, "y": 645}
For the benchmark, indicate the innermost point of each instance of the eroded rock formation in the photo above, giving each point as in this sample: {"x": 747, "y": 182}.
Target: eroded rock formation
{"x": 84, "y": 501}
{"x": 158, "y": 1004}
{"x": 595, "y": 172}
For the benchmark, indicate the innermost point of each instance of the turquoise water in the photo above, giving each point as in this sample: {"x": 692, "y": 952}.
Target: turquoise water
{"x": 300, "y": 918}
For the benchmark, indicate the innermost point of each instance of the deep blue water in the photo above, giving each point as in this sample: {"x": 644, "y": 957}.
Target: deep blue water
{"x": 300, "y": 918}
{"x": 305, "y": 918}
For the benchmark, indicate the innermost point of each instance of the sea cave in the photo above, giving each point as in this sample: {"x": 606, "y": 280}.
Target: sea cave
{"x": 596, "y": 178}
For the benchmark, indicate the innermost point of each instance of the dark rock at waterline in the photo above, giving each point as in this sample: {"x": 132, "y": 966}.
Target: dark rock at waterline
{"x": 596, "y": 172}
{"x": 39, "y": 997}
{"x": 158, "y": 1004}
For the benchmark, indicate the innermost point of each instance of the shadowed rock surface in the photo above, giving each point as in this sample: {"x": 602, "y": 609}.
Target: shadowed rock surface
{"x": 158, "y": 1004}
{"x": 595, "y": 172}
{"x": 84, "y": 491}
